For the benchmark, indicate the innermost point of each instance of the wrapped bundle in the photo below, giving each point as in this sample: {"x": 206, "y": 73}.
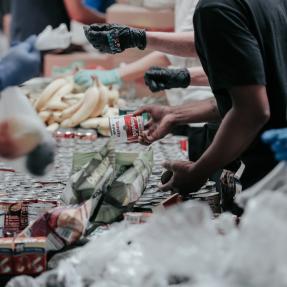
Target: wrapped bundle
{"x": 127, "y": 188}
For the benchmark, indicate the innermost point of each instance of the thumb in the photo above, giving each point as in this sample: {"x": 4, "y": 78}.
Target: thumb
{"x": 169, "y": 165}
{"x": 159, "y": 132}
{"x": 142, "y": 110}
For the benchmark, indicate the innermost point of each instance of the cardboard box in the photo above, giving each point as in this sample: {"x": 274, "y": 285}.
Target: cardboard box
{"x": 6, "y": 256}
{"x": 64, "y": 64}
{"x": 149, "y": 19}
{"x": 30, "y": 256}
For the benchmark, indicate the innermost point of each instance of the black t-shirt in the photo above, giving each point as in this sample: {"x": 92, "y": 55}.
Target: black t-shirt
{"x": 244, "y": 42}
{"x": 33, "y": 16}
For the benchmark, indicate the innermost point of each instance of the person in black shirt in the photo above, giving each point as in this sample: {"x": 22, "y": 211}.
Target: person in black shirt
{"x": 31, "y": 17}
{"x": 243, "y": 50}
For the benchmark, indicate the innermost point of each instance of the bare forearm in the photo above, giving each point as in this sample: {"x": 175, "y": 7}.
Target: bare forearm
{"x": 235, "y": 134}
{"x": 202, "y": 111}
{"x": 198, "y": 77}
{"x": 137, "y": 69}
{"x": 179, "y": 44}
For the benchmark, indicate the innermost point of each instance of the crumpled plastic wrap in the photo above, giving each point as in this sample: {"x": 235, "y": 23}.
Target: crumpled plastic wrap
{"x": 184, "y": 246}
{"x": 275, "y": 180}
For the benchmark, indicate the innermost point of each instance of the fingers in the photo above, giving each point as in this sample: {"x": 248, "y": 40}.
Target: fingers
{"x": 154, "y": 79}
{"x": 99, "y": 27}
{"x": 176, "y": 165}
{"x": 168, "y": 165}
{"x": 145, "y": 109}
{"x": 167, "y": 186}
{"x": 158, "y": 132}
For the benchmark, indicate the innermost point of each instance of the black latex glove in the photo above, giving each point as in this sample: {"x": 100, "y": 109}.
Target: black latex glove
{"x": 158, "y": 79}
{"x": 112, "y": 38}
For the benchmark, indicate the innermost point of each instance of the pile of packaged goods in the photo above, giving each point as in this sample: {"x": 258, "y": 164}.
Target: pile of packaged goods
{"x": 64, "y": 104}
{"x": 104, "y": 184}
{"x": 205, "y": 252}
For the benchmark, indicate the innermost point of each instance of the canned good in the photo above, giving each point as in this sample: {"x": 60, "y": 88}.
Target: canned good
{"x": 127, "y": 128}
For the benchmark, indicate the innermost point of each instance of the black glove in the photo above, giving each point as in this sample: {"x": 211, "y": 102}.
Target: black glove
{"x": 158, "y": 79}
{"x": 112, "y": 38}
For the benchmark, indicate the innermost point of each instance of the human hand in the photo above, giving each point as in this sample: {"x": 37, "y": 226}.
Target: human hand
{"x": 113, "y": 38}
{"x": 158, "y": 126}
{"x": 277, "y": 139}
{"x": 22, "y": 63}
{"x": 85, "y": 77}
{"x": 158, "y": 79}
{"x": 185, "y": 178}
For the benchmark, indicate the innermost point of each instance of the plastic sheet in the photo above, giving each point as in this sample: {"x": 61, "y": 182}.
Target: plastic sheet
{"x": 184, "y": 246}
{"x": 31, "y": 143}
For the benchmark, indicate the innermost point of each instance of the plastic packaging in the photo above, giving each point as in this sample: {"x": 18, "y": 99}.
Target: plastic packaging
{"x": 30, "y": 146}
{"x": 52, "y": 39}
{"x": 276, "y": 180}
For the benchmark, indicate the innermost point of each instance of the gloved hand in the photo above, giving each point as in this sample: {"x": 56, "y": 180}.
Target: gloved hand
{"x": 22, "y": 63}
{"x": 158, "y": 79}
{"x": 112, "y": 38}
{"x": 110, "y": 77}
{"x": 277, "y": 139}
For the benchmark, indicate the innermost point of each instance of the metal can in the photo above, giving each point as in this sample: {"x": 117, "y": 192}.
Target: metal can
{"x": 127, "y": 128}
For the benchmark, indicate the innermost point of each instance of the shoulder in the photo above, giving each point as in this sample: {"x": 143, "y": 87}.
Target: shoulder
{"x": 220, "y": 10}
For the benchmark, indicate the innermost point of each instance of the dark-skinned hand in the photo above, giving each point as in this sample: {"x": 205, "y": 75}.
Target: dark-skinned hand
{"x": 185, "y": 178}
{"x": 158, "y": 126}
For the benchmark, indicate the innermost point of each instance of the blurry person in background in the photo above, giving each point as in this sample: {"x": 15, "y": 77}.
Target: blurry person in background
{"x": 88, "y": 11}
{"x": 184, "y": 10}
{"x": 31, "y": 17}
{"x": 4, "y": 25}
{"x": 99, "y": 5}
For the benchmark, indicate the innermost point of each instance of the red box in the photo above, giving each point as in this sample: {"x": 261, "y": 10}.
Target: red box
{"x": 30, "y": 256}
{"x": 6, "y": 256}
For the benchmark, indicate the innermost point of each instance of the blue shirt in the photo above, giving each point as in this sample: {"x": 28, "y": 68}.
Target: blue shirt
{"x": 99, "y": 5}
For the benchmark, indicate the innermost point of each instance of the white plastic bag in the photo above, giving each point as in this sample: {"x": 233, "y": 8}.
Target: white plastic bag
{"x": 24, "y": 139}
{"x": 276, "y": 180}
{"x": 52, "y": 39}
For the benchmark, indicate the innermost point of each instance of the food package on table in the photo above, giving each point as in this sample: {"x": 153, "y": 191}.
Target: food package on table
{"x": 124, "y": 184}
{"x": 63, "y": 226}
{"x": 30, "y": 256}
{"x": 127, "y": 188}
{"x": 91, "y": 171}
{"x": 20, "y": 256}
{"x": 24, "y": 136}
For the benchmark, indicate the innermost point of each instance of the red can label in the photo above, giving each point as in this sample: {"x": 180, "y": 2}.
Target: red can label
{"x": 127, "y": 128}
